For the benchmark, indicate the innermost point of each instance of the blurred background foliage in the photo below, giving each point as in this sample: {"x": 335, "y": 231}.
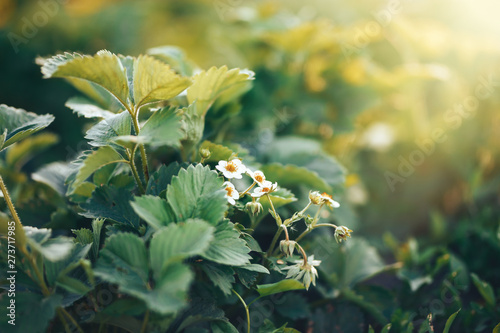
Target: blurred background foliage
{"x": 370, "y": 81}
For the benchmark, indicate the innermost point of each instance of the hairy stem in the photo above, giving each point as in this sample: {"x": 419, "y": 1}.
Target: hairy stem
{"x": 248, "y": 189}
{"x": 276, "y": 216}
{"x": 134, "y": 171}
{"x": 144, "y": 158}
{"x": 304, "y": 255}
{"x": 246, "y": 309}
{"x": 273, "y": 242}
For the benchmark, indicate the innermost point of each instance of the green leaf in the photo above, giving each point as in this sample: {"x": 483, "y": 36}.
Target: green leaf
{"x": 53, "y": 175}
{"x": 221, "y": 276}
{"x": 154, "y": 210}
{"x": 124, "y": 260}
{"x": 155, "y": 81}
{"x": 160, "y": 179}
{"x": 247, "y": 278}
{"x": 209, "y": 85}
{"x": 103, "y": 69}
{"x": 220, "y": 326}
{"x": 17, "y": 124}
{"x": 163, "y": 128}
{"x": 174, "y": 57}
{"x": 33, "y": 306}
{"x": 56, "y": 269}
{"x": 112, "y": 203}
{"x": 192, "y": 125}
{"x": 53, "y": 249}
{"x": 426, "y": 326}
{"x": 196, "y": 192}
{"x": 23, "y": 151}
{"x": 91, "y": 161}
{"x": 178, "y": 241}
{"x": 450, "y": 321}
{"x": 86, "y": 108}
{"x": 292, "y": 175}
{"x": 84, "y": 236}
{"x": 102, "y": 133}
{"x": 228, "y": 248}
{"x": 484, "y": 289}
{"x": 279, "y": 287}
{"x": 255, "y": 268}
{"x": 217, "y": 152}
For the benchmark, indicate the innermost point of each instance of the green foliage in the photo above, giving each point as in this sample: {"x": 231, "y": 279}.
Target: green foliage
{"x": 17, "y": 124}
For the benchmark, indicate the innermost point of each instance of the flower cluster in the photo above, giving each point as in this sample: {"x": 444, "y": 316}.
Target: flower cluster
{"x": 304, "y": 270}
{"x": 235, "y": 169}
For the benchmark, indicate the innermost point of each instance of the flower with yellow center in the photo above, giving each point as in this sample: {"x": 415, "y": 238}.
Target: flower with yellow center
{"x": 231, "y": 193}
{"x": 265, "y": 188}
{"x": 341, "y": 233}
{"x": 319, "y": 199}
{"x": 231, "y": 169}
{"x": 258, "y": 176}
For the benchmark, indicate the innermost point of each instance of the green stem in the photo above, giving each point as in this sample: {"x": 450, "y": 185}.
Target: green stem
{"x": 316, "y": 216}
{"x": 73, "y": 321}
{"x": 248, "y": 189}
{"x": 145, "y": 322}
{"x": 304, "y": 255}
{"x": 276, "y": 216}
{"x": 131, "y": 162}
{"x": 308, "y": 230}
{"x": 144, "y": 158}
{"x": 273, "y": 242}
{"x": 246, "y": 309}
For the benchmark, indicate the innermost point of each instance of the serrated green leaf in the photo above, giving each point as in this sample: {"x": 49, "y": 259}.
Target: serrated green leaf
{"x": 86, "y": 108}
{"x": 279, "y": 287}
{"x": 124, "y": 256}
{"x": 192, "y": 125}
{"x": 103, "y": 69}
{"x": 103, "y": 133}
{"x": 247, "y": 278}
{"x": 209, "y": 85}
{"x": 23, "y": 151}
{"x": 154, "y": 210}
{"x": 227, "y": 247}
{"x": 84, "y": 236}
{"x": 155, "y": 81}
{"x": 163, "y": 128}
{"x": 112, "y": 203}
{"x": 484, "y": 289}
{"x": 196, "y": 192}
{"x": 449, "y": 321}
{"x": 292, "y": 175}
{"x": 92, "y": 161}
{"x": 17, "y": 124}
{"x": 160, "y": 179}
{"x": 221, "y": 276}
{"x": 178, "y": 241}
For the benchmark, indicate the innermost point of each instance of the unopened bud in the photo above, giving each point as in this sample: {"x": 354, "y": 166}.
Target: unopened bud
{"x": 205, "y": 153}
{"x": 287, "y": 247}
{"x": 253, "y": 207}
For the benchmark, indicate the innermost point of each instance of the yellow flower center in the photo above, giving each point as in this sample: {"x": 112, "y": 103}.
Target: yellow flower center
{"x": 229, "y": 190}
{"x": 266, "y": 189}
{"x": 231, "y": 167}
{"x": 324, "y": 194}
{"x": 259, "y": 178}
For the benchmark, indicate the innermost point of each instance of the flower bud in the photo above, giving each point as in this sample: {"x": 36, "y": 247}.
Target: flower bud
{"x": 253, "y": 207}
{"x": 341, "y": 233}
{"x": 287, "y": 247}
{"x": 205, "y": 153}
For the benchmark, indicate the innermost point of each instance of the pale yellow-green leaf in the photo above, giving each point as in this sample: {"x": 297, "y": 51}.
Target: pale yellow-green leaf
{"x": 156, "y": 81}
{"x": 104, "y": 69}
{"x": 209, "y": 85}
{"x": 22, "y": 151}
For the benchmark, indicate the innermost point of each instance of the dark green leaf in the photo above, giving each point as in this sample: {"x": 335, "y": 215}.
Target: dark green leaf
{"x": 154, "y": 210}
{"x": 227, "y": 247}
{"x": 279, "y": 287}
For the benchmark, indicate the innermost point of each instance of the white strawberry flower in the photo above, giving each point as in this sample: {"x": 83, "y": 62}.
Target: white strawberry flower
{"x": 258, "y": 176}
{"x": 231, "y": 193}
{"x": 305, "y": 272}
{"x": 265, "y": 188}
{"x": 323, "y": 199}
{"x": 341, "y": 233}
{"x": 231, "y": 169}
